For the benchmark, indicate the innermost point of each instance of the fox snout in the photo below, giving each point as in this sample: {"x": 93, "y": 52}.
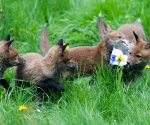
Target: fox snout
{"x": 72, "y": 64}
{"x": 110, "y": 44}
{"x": 131, "y": 64}
{"x": 128, "y": 65}
{"x": 21, "y": 60}
{"x": 16, "y": 61}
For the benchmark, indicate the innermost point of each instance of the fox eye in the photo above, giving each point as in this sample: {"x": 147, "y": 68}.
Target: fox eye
{"x": 119, "y": 37}
{"x": 138, "y": 56}
{"x": 67, "y": 60}
{"x": 129, "y": 53}
{"x": 16, "y": 55}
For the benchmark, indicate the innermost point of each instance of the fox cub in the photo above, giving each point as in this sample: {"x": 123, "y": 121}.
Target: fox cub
{"x": 42, "y": 71}
{"x": 8, "y": 57}
{"x": 139, "y": 55}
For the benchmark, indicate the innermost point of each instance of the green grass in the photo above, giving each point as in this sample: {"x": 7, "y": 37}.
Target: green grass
{"x": 108, "y": 101}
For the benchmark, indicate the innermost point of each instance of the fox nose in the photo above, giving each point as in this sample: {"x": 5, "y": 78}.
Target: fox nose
{"x": 128, "y": 63}
{"x": 73, "y": 67}
{"x": 23, "y": 61}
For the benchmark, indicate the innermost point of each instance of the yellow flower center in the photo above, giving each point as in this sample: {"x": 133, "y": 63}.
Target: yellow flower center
{"x": 120, "y": 58}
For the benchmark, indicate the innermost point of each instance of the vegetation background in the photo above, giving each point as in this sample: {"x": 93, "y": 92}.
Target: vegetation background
{"x": 108, "y": 101}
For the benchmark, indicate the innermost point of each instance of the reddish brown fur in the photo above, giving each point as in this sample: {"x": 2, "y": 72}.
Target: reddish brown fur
{"x": 87, "y": 56}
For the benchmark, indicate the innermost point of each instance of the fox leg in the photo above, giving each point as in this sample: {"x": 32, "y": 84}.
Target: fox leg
{"x": 45, "y": 85}
{"x": 4, "y": 83}
{"x": 50, "y": 83}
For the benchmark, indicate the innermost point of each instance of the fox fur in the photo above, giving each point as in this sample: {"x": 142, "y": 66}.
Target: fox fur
{"x": 127, "y": 30}
{"x": 8, "y": 57}
{"x": 38, "y": 69}
{"x": 139, "y": 55}
{"x": 88, "y": 56}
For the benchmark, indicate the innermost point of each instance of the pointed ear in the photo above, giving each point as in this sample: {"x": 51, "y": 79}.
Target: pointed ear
{"x": 147, "y": 45}
{"x": 60, "y": 42}
{"x": 136, "y": 36}
{"x": 137, "y": 39}
{"x": 103, "y": 27}
{"x": 9, "y": 43}
{"x": 7, "y": 38}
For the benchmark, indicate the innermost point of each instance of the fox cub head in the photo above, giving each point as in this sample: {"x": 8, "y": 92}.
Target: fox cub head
{"x": 139, "y": 52}
{"x": 108, "y": 35}
{"x": 9, "y": 54}
{"x": 61, "y": 57}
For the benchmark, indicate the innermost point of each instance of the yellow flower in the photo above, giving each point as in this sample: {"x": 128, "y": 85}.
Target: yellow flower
{"x": 147, "y": 67}
{"x": 22, "y": 107}
{"x": 67, "y": 47}
{"x": 120, "y": 58}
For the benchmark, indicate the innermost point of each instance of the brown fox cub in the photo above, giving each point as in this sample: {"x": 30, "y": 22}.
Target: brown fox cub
{"x": 127, "y": 30}
{"x": 8, "y": 57}
{"x": 41, "y": 71}
{"x": 87, "y": 56}
{"x": 139, "y": 55}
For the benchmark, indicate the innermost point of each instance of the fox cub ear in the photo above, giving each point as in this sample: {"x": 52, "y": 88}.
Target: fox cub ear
{"x": 62, "y": 45}
{"x": 60, "y": 42}
{"x": 103, "y": 28}
{"x": 136, "y": 36}
{"x": 136, "y": 40}
{"x": 7, "y": 38}
{"x": 147, "y": 45}
{"x": 9, "y": 43}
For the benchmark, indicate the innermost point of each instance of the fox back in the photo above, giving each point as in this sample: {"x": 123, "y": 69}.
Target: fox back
{"x": 127, "y": 30}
